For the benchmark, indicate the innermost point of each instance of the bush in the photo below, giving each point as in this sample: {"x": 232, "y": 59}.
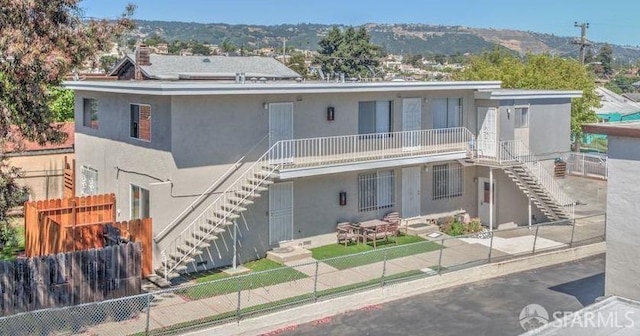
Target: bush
{"x": 454, "y": 227}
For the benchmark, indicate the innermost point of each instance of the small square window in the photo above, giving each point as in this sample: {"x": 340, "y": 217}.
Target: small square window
{"x": 90, "y": 113}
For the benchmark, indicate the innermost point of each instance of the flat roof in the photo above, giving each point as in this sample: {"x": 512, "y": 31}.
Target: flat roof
{"x": 172, "y": 88}
{"x": 629, "y": 129}
{"x": 612, "y": 316}
{"x": 508, "y": 94}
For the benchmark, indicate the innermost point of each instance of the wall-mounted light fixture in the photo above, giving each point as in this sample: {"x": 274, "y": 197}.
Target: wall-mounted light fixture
{"x": 508, "y": 113}
{"x": 475, "y": 180}
{"x": 342, "y": 198}
{"x": 426, "y": 100}
{"x": 265, "y": 106}
{"x": 331, "y": 113}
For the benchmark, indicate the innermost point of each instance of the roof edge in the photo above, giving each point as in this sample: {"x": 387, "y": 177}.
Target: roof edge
{"x": 621, "y": 129}
{"x": 527, "y": 94}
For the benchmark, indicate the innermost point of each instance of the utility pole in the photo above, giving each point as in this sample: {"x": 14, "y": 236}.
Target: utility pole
{"x": 582, "y": 41}
{"x": 284, "y": 50}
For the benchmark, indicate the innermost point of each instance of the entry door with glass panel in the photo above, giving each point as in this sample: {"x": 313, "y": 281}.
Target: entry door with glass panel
{"x": 139, "y": 202}
{"x": 487, "y": 145}
{"x": 281, "y": 128}
{"x": 410, "y": 192}
{"x": 484, "y": 199}
{"x": 280, "y": 212}
{"x": 411, "y": 123}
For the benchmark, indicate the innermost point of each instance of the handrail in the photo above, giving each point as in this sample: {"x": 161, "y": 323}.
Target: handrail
{"x": 516, "y": 151}
{"x": 292, "y": 151}
{"x": 200, "y": 198}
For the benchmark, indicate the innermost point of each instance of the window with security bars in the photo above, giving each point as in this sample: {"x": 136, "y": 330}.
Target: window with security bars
{"x": 88, "y": 181}
{"x": 448, "y": 181}
{"x": 376, "y": 190}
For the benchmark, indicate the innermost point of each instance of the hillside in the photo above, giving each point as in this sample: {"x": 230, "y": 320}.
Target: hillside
{"x": 395, "y": 38}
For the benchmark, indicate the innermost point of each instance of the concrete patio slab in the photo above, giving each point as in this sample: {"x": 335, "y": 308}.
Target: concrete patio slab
{"x": 516, "y": 245}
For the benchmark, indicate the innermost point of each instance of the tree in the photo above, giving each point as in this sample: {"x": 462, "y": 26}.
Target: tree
{"x": 41, "y": 41}
{"x": 61, "y": 102}
{"x": 605, "y": 57}
{"x": 350, "y": 52}
{"x": 154, "y": 39}
{"x": 200, "y": 49}
{"x": 228, "y": 47}
{"x": 297, "y": 64}
{"x": 539, "y": 72}
{"x": 107, "y": 62}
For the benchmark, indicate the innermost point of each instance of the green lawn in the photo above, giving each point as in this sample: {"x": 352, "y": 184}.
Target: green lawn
{"x": 264, "y": 272}
{"x": 10, "y": 252}
{"x": 337, "y": 255}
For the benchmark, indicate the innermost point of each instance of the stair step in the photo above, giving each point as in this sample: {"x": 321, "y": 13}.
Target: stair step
{"x": 266, "y": 174}
{"x": 203, "y": 244}
{"x": 171, "y": 275}
{"x": 218, "y": 221}
{"x": 226, "y": 214}
{"x": 204, "y": 236}
{"x": 185, "y": 249}
{"x": 233, "y": 207}
{"x": 178, "y": 257}
{"x": 251, "y": 187}
{"x": 246, "y": 193}
{"x": 259, "y": 181}
{"x": 211, "y": 229}
{"x": 240, "y": 200}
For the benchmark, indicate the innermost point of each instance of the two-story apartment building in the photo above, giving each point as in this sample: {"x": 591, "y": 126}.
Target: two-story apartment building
{"x": 222, "y": 165}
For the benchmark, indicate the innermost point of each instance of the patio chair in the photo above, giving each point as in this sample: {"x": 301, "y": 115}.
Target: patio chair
{"x": 392, "y": 217}
{"x": 347, "y": 232}
{"x": 379, "y": 232}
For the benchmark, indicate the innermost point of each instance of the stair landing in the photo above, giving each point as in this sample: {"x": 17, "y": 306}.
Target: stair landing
{"x": 287, "y": 254}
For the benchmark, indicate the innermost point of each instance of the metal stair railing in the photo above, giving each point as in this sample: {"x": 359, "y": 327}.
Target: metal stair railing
{"x": 514, "y": 151}
{"x": 264, "y": 163}
{"x": 205, "y": 193}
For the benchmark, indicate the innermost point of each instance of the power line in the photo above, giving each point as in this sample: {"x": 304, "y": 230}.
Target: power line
{"x": 582, "y": 41}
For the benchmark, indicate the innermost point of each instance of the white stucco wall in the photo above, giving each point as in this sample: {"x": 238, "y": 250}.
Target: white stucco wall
{"x": 623, "y": 210}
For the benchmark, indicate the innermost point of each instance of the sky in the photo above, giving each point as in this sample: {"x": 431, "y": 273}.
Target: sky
{"x": 613, "y": 21}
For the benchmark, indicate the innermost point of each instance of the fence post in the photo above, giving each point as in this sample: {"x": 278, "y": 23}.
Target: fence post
{"x": 535, "y": 239}
{"x": 384, "y": 268}
{"x": 573, "y": 229}
{"x": 440, "y": 257}
{"x": 239, "y": 292}
{"x": 150, "y": 296}
{"x": 491, "y": 247}
{"x": 315, "y": 282}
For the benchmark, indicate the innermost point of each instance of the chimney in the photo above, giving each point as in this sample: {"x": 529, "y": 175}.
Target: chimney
{"x": 142, "y": 59}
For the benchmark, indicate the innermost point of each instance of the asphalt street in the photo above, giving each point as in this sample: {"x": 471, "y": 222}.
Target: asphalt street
{"x": 490, "y": 307}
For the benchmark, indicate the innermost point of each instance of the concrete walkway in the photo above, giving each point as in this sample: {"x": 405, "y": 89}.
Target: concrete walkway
{"x": 171, "y": 308}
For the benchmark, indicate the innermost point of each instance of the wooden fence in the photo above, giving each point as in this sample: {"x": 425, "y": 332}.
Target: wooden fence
{"x": 72, "y": 278}
{"x": 69, "y": 178}
{"x": 79, "y": 223}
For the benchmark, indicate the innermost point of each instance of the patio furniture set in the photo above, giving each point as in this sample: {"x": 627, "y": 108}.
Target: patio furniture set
{"x": 371, "y": 230}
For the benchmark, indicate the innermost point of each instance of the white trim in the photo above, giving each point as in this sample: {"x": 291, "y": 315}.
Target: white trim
{"x": 187, "y": 88}
{"x": 378, "y": 164}
{"x": 525, "y": 94}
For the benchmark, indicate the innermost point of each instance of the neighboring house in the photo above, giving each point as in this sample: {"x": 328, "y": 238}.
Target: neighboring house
{"x": 288, "y": 161}
{"x": 42, "y": 166}
{"x": 623, "y": 208}
{"x": 613, "y": 108}
{"x": 147, "y": 66}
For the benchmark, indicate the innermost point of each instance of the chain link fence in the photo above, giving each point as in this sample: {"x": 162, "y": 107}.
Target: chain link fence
{"x": 178, "y": 310}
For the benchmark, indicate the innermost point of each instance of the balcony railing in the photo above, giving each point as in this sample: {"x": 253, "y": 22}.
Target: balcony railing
{"x": 347, "y": 149}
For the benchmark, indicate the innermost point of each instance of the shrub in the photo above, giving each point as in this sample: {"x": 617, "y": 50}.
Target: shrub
{"x": 454, "y": 227}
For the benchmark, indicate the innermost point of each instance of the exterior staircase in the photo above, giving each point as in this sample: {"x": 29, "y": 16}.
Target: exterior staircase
{"x": 218, "y": 217}
{"x": 532, "y": 178}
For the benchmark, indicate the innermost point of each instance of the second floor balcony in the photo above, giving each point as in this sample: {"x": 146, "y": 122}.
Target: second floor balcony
{"x": 327, "y": 155}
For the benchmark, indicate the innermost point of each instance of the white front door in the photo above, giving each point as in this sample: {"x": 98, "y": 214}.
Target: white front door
{"x": 280, "y": 212}
{"x": 487, "y": 132}
{"x": 281, "y": 128}
{"x": 410, "y": 192}
{"x": 484, "y": 200}
{"x": 411, "y": 121}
